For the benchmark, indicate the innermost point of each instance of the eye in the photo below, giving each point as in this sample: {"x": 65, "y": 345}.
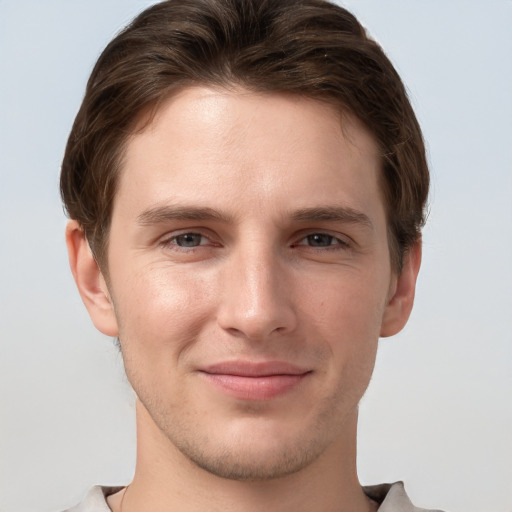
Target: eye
{"x": 321, "y": 240}
{"x": 190, "y": 246}
{"x": 188, "y": 240}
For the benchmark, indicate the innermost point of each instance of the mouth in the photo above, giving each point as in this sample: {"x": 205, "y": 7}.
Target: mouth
{"x": 254, "y": 381}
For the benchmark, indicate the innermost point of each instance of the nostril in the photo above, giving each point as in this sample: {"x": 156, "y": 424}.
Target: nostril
{"x": 257, "y": 326}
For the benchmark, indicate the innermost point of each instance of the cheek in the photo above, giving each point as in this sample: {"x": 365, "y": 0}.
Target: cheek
{"x": 347, "y": 302}
{"x": 160, "y": 312}
{"x": 160, "y": 315}
{"x": 346, "y": 314}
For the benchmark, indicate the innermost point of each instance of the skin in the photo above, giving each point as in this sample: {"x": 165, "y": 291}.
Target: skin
{"x": 247, "y": 227}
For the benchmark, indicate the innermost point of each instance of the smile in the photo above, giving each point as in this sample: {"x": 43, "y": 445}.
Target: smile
{"x": 254, "y": 381}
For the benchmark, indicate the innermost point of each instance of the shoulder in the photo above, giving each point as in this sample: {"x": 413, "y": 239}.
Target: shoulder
{"x": 393, "y": 498}
{"x": 95, "y": 500}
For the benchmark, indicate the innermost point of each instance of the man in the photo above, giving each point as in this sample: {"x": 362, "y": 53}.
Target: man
{"x": 246, "y": 183}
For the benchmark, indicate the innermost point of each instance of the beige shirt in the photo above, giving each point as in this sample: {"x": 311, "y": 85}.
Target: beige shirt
{"x": 391, "y": 497}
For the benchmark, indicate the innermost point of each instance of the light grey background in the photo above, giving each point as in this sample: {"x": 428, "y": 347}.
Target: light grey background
{"x": 439, "y": 410}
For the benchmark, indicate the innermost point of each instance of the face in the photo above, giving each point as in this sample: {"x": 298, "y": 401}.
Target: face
{"x": 249, "y": 277}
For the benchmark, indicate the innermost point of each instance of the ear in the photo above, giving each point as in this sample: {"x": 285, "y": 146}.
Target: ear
{"x": 90, "y": 281}
{"x": 401, "y": 299}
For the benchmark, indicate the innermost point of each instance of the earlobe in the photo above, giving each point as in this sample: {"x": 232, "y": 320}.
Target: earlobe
{"x": 90, "y": 281}
{"x": 401, "y": 301}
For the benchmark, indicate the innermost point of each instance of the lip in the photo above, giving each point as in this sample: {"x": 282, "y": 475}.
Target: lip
{"x": 247, "y": 380}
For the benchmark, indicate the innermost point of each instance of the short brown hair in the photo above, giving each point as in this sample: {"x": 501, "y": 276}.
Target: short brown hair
{"x": 307, "y": 47}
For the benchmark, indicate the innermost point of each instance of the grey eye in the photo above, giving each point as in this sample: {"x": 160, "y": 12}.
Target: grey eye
{"x": 320, "y": 240}
{"x": 188, "y": 240}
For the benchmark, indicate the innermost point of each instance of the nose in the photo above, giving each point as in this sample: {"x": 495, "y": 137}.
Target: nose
{"x": 256, "y": 302}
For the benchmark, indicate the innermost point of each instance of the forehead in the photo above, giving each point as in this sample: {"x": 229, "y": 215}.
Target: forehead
{"x": 205, "y": 144}
{"x": 237, "y": 113}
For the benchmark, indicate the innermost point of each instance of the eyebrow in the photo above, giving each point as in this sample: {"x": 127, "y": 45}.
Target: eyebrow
{"x": 162, "y": 214}
{"x": 166, "y": 213}
{"x": 332, "y": 213}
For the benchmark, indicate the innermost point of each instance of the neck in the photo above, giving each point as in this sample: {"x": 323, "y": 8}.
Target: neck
{"x": 167, "y": 480}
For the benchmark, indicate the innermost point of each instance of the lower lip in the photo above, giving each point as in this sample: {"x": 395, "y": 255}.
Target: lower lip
{"x": 254, "y": 388}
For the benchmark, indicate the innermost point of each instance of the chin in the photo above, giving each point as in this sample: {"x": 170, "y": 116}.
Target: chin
{"x": 234, "y": 461}
{"x": 253, "y": 449}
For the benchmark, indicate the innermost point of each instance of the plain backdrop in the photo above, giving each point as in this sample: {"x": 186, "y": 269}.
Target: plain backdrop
{"x": 438, "y": 413}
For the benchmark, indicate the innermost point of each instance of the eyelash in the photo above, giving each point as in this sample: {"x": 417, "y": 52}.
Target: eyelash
{"x": 339, "y": 243}
{"x": 171, "y": 242}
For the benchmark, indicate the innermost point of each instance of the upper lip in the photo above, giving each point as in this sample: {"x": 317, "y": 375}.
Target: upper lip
{"x": 254, "y": 369}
